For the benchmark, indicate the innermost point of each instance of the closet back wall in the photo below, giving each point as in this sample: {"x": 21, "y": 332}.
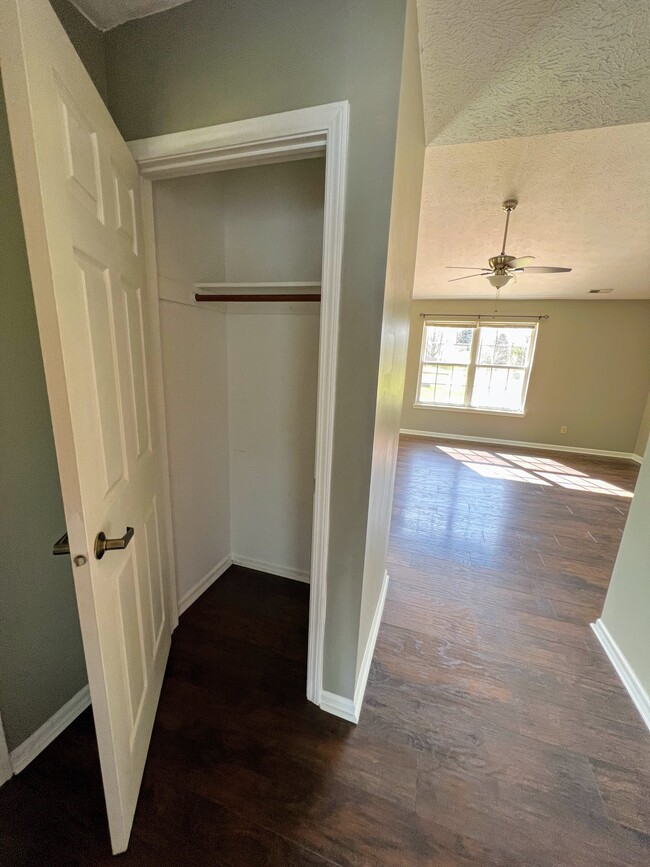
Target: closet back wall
{"x": 240, "y": 379}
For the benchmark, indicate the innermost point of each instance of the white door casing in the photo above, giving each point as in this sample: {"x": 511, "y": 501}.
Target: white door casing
{"x": 80, "y": 198}
{"x": 297, "y": 134}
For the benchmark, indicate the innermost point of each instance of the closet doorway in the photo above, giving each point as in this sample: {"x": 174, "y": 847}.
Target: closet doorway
{"x": 236, "y": 215}
{"x": 240, "y": 376}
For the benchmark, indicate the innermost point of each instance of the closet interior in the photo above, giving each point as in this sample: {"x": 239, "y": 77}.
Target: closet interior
{"x": 240, "y": 376}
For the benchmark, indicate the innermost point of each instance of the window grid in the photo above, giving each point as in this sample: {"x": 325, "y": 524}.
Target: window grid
{"x": 430, "y": 388}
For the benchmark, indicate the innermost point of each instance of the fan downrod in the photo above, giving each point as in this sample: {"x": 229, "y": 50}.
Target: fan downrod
{"x": 503, "y": 267}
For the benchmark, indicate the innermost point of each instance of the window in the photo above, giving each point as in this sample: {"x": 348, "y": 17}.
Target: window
{"x": 475, "y": 365}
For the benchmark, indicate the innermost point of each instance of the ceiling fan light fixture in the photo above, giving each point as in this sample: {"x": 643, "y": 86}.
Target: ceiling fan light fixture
{"x": 499, "y": 280}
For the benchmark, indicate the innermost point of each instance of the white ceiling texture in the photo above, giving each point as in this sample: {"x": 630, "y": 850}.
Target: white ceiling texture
{"x": 548, "y": 102}
{"x": 106, "y": 14}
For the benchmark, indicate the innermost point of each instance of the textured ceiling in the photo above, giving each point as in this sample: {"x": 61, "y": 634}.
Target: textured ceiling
{"x": 584, "y": 202}
{"x": 499, "y": 68}
{"x": 106, "y": 14}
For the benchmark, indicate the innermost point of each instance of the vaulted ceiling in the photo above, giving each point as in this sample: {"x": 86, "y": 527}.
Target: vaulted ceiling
{"x": 500, "y": 68}
{"x": 546, "y": 101}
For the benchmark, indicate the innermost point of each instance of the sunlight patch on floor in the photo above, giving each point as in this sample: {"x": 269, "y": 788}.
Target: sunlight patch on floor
{"x": 586, "y": 483}
{"x": 473, "y": 455}
{"x": 531, "y": 470}
{"x": 512, "y": 474}
{"x": 541, "y": 464}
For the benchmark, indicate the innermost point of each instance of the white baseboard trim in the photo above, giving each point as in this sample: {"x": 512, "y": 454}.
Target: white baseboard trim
{"x": 368, "y": 653}
{"x": 203, "y": 583}
{"x": 43, "y": 737}
{"x": 347, "y": 708}
{"x": 626, "y": 456}
{"x": 624, "y": 670}
{"x": 271, "y": 568}
{"x": 338, "y": 706}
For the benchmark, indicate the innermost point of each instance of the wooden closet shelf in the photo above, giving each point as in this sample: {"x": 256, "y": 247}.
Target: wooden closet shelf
{"x": 242, "y": 291}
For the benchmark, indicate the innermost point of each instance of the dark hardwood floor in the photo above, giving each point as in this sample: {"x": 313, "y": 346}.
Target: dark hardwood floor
{"x": 494, "y": 730}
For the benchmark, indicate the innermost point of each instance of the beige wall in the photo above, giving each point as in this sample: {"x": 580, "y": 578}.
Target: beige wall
{"x": 627, "y": 605}
{"x": 591, "y": 372}
{"x": 204, "y": 63}
{"x": 402, "y": 244}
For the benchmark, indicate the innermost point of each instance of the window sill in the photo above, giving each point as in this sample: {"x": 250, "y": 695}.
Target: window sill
{"x": 471, "y": 409}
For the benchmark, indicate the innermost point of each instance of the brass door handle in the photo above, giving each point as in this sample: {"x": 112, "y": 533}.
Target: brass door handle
{"x": 102, "y": 544}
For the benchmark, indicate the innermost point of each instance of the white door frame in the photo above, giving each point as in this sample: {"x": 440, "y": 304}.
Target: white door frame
{"x": 290, "y": 135}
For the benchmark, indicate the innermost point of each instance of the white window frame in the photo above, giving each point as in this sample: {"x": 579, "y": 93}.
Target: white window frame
{"x": 476, "y": 325}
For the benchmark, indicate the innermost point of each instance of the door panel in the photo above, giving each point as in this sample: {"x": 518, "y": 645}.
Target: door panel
{"x": 80, "y": 196}
{"x": 132, "y": 634}
{"x": 95, "y": 303}
{"x": 81, "y": 155}
{"x": 125, "y": 210}
{"x": 154, "y": 584}
{"x": 134, "y": 359}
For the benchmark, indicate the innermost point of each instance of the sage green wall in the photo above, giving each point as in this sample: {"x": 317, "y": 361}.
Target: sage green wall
{"x": 591, "y": 373}
{"x": 213, "y": 61}
{"x": 87, "y": 40}
{"x": 628, "y": 598}
{"x": 402, "y": 246}
{"x": 41, "y": 657}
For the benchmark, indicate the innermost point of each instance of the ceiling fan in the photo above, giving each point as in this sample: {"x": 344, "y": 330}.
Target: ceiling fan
{"x": 503, "y": 268}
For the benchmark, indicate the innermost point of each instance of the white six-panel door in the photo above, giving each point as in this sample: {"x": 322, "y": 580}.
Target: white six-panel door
{"x": 79, "y": 190}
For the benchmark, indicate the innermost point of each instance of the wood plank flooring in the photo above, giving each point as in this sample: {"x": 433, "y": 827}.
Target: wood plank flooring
{"x": 494, "y": 730}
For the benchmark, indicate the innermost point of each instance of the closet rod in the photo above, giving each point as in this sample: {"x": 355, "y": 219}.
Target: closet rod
{"x": 285, "y": 297}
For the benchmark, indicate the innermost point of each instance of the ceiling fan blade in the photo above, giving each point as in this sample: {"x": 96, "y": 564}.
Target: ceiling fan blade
{"x": 521, "y": 262}
{"x": 545, "y": 269}
{"x": 468, "y": 276}
{"x": 466, "y": 267}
